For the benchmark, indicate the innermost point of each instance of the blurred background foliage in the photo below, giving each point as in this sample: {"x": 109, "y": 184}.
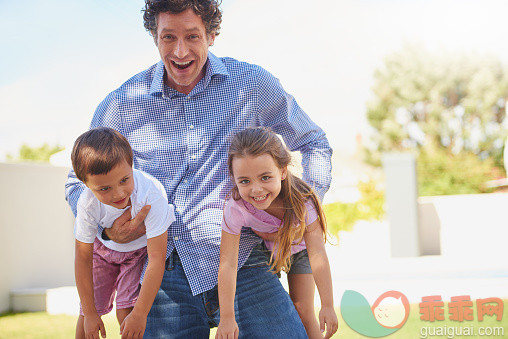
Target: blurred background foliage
{"x": 441, "y": 173}
{"x": 448, "y": 108}
{"x": 342, "y": 216}
{"x": 34, "y": 154}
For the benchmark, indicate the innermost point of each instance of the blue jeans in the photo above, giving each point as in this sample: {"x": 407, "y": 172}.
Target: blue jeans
{"x": 263, "y": 309}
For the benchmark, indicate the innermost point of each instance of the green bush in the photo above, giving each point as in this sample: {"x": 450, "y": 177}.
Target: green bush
{"x": 440, "y": 173}
{"x": 34, "y": 154}
{"x": 343, "y": 216}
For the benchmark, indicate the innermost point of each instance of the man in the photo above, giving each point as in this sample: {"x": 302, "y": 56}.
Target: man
{"x": 178, "y": 116}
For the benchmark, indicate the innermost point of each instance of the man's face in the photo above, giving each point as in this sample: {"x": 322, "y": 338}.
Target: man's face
{"x": 183, "y": 46}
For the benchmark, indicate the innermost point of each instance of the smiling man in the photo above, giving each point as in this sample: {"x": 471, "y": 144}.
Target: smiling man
{"x": 183, "y": 44}
{"x": 178, "y": 116}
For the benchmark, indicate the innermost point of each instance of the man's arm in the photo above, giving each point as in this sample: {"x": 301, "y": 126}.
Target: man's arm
{"x": 73, "y": 189}
{"x": 107, "y": 115}
{"x": 280, "y": 111}
{"x": 124, "y": 229}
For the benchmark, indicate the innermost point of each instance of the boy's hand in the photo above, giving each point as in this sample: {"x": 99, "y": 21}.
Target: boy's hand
{"x": 125, "y": 229}
{"x": 93, "y": 324}
{"x": 228, "y": 329}
{"x": 327, "y": 316}
{"x": 133, "y": 326}
{"x": 266, "y": 236}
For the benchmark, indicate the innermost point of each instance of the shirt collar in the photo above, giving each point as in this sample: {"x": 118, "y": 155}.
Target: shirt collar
{"x": 260, "y": 214}
{"x": 215, "y": 68}
{"x": 158, "y": 78}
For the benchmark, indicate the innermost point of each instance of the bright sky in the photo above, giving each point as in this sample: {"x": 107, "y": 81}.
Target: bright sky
{"x": 60, "y": 58}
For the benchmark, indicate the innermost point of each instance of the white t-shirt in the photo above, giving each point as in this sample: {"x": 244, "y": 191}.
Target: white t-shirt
{"x": 147, "y": 191}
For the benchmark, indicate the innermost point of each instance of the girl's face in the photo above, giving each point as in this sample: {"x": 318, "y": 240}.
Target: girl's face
{"x": 258, "y": 180}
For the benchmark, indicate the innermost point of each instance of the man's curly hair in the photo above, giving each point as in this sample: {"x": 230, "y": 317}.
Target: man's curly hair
{"x": 208, "y": 10}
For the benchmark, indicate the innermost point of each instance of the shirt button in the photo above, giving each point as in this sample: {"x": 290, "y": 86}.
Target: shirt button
{"x": 185, "y": 181}
{"x": 187, "y": 97}
{"x": 193, "y": 157}
{"x": 176, "y": 238}
{"x": 179, "y": 210}
{"x": 191, "y": 126}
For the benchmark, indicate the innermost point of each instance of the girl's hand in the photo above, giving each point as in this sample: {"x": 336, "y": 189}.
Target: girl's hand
{"x": 228, "y": 329}
{"x": 93, "y": 324}
{"x": 133, "y": 326}
{"x": 266, "y": 236}
{"x": 327, "y": 316}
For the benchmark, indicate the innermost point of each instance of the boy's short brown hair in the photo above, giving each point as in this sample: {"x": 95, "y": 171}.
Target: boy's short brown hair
{"x": 98, "y": 151}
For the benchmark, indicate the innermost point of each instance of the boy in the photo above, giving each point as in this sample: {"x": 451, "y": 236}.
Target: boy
{"x": 102, "y": 158}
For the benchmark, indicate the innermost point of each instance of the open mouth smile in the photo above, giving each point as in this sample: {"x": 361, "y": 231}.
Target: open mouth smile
{"x": 261, "y": 198}
{"x": 182, "y": 65}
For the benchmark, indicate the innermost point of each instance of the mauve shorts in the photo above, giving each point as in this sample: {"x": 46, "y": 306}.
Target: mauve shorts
{"x": 116, "y": 271}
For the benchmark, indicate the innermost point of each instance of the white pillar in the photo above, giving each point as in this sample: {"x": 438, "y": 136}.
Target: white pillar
{"x": 401, "y": 200}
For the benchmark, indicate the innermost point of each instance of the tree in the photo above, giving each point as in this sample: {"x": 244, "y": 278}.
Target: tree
{"x": 34, "y": 154}
{"x": 445, "y": 104}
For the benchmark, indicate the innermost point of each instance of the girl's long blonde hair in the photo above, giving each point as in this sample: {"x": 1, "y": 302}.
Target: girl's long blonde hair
{"x": 294, "y": 192}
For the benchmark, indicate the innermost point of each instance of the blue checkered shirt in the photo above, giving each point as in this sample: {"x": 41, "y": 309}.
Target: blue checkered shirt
{"x": 182, "y": 140}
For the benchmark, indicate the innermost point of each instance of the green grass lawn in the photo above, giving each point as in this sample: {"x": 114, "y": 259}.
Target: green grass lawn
{"x": 42, "y": 325}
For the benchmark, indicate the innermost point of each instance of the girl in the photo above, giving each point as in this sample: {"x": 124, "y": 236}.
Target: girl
{"x": 284, "y": 211}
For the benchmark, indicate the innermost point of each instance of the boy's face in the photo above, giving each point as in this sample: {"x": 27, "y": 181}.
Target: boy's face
{"x": 113, "y": 188}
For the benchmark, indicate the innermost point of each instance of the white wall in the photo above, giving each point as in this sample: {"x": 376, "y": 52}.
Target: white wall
{"x": 429, "y": 226}
{"x": 470, "y": 226}
{"x": 402, "y": 209}
{"x": 37, "y": 243}
{"x": 36, "y": 229}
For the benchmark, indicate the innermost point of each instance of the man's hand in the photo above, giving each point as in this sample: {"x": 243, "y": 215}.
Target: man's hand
{"x": 93, "y": 324}
{"x": 125, "y": 229}
{"x": 133, "y": 326}
{"x": 228, "y": 329}
{"x": 266, "y": 236}
{"x": 328, "y": 317}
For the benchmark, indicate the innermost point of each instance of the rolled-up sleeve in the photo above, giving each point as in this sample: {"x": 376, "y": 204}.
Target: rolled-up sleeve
{"x": 280, "y": 111}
